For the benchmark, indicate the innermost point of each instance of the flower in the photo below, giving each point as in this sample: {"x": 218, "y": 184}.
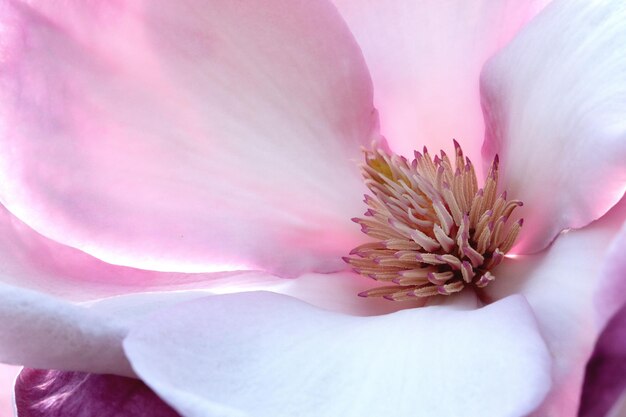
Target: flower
{"x": 154, "y": 136}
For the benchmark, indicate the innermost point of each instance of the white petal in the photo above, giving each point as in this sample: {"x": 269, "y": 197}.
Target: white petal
{"x": 265, "y": 354}
{"x": 42, "y": 332}
{"x": 425, "y": 58}
{"x": 561, "y": 285}
{"x": 183, "y": 134}
{"x": 554, "y": 101}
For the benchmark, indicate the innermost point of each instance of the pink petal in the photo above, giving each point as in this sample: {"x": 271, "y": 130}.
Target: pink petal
{"x": 30, "y": 260}
{"x": 554, "y": 107}
{"x": 48, "y": 393}
{"x": 561, "y": 285}
{"x": 425, "y": 58}
{"x": 180, "y": 135}
{"x": 265, "y": 354}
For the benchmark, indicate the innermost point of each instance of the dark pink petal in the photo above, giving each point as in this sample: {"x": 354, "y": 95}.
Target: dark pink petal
{"x": 177, "y": 135}
{"x": 554, "y": 103}
{"x": 49, "y": 393}
{"x": 425, "y": 58}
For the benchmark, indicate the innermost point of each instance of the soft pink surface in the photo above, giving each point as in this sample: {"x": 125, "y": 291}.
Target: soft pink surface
{"x": 554, "y": 107}
{"x": 180, "y": 135}
{"x": 425, "y": 58}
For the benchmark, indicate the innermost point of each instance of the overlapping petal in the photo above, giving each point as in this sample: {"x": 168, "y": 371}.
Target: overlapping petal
{"x": 554, "y": 105}
{"x": 561, "y": 285}
{"x": 42, "y": 332}
{"x": 271, "y": 355}
{"x": 185, "y": 135}
{"x": 613, "y": 275}
{"x": 30, "y": 260}
{"x": 605, "y": 380}
{"x": 604, "y": 390}
{"x": 425, "y": 58}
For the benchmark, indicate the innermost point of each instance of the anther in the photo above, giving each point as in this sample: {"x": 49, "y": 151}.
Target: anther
{"x": 435, "y": 231}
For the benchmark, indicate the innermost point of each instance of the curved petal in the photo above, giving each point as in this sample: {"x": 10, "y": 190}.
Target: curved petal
{"x": 560, "y": 285}
{"x": 554, "y": 103}
{"x": 271, "y": 355}
{"x": 612, "y": 295}
{"x": 179, "y": 135}
{"x": 28, "y": 259}
{"x": 43, "y": 332}
{"x": 604, "y": 389}
{"x": 605, "y": 379}
{"x": 425, "y": 58}
{"x": 335, "y": 292}
{"x": 40, "y": 393}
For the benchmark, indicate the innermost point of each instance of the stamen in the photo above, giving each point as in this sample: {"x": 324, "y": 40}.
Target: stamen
{"x": 436, "y": 232}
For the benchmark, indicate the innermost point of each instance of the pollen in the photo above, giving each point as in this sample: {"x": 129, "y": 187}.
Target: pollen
{"x": 435, "y": 231}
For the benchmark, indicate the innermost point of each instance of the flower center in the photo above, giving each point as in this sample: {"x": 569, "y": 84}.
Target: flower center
{"x": 436, "y": 232}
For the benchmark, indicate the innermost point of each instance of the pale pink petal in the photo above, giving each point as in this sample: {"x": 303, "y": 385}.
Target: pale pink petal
{"x": 180, "y": 135}
{"x": 43, "y": 393}
{"x": 554, "y": 102}
{"x": 266, "y": 354}
{"x": 561, "y": 285}
{"x": 30, "y": 260}
{"x": 425, "y": 58}
{"x": 42, "y": 332}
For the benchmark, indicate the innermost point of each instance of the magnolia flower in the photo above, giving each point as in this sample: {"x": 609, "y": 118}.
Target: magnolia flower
{"x": 147, "y": 146}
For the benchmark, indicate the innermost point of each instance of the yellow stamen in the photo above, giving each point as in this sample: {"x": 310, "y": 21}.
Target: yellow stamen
{"x": 436, "y": 232}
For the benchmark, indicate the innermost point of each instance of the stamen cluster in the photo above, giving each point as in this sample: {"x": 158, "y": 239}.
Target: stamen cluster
{"x": 436, "y": 232}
